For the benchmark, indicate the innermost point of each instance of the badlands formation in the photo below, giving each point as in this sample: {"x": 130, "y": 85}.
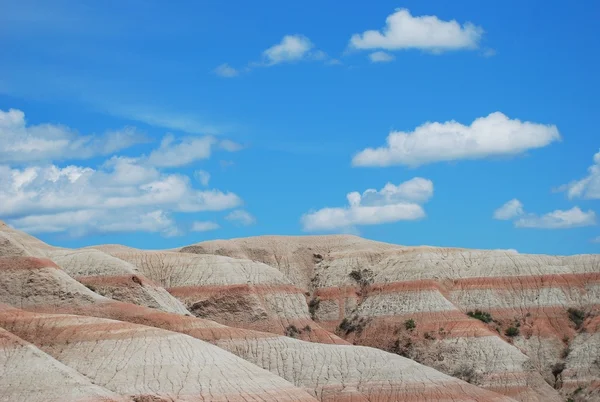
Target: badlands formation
{"x": 329, "y": 318}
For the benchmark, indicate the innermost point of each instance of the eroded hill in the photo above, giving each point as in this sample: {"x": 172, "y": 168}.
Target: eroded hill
{"x": 330, "y": 318}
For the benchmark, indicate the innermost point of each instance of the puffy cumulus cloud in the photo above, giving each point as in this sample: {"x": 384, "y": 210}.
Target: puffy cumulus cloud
{"x": 204, "y": 226}
{"x": 428, "y": 32}
{"x": 493, "y": 135}
{"x": 291, "y": 48}
{"x": 510, "y": 210}
{"x": 589, "y": 186}
{"x": 558, "y": 219}
{"x": 380, "y": 57}
{"x": 226, "y": 71}
{"x": 392, "y": 203}
{"x": 22, "y": 143}
{"x": 241, "y": 217}
{"x": 121, "y": 195}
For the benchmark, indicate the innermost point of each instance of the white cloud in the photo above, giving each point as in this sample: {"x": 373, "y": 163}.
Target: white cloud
{"x": 493, "y": 135}
{"x": 489, "y": 52}
{"x": 390, "y": 204}
{"x": 508, "y": 250}
{"x": 204, "y": 226}
{"x": 596, "y": 240}
{"x": 202, "y": 176}
{"x": 230, "y": 146}
{"x": 181, "y": 152}
{"x": 589, "y": 186}
{"x": 291, "y": 48}
{"x": 380, "y": 57}
{"x": 20, "y": 142}
{"x": 510, "y": 210}
{"x": 558, "y": 219}
{"x": 85, "y": 222}
{"x": 185, "y": 122}
{"x": 404, "y": 31}
{"x": 121, "y": 195}
{"x": 242, "y": 217}
{"x": 226, "y": 71}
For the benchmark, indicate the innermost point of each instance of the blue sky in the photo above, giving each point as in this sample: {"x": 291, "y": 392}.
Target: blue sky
{"x": 156, "y": 124}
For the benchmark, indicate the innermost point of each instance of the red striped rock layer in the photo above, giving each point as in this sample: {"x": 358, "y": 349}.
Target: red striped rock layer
{"x": 115, "y": 279}
{"x": 278, "y": 309}
{"x": 68, "y": 338}
{"x": 27, "y": 374}
{"x": 143, "y": 361}
{"x": 238, "y": 293}
{"x": 434, "y": 286}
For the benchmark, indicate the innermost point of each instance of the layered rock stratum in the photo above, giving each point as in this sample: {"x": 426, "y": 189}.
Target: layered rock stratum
{"x": 275, "y": 318}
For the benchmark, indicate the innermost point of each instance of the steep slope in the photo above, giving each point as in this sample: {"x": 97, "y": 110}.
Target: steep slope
{"x": 27, "y": 374}
{"x": 146, "y": 362}
{"x": 115, "y": 278}
{"x": 234, "y": 292}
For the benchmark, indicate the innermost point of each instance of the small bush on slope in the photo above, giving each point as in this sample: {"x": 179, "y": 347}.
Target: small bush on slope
{"x": 410, "y": 324}
{"x": 511, "y": 331}
{"x": 576, "y": 316}
{"x": 480, "y": 315}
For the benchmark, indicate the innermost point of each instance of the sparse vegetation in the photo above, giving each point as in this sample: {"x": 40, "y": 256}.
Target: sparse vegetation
{"x": 576, "y": 316}
{"x": 410, "y": 324}
{"x": 403, "y": 348}
{"x": 292, "y": 331}
{"x": 307, "y": 328}
{"x": 480, "y": 315}
{"x": 511, "y": 332}
{"x": 313, "y": 306}
{"x": 355, "y": 325}
{"x": 363, "y": 277}
{"x": 91, "y": 287}
{"x": 466, "y": 373}
{"x": 429, "y": 336}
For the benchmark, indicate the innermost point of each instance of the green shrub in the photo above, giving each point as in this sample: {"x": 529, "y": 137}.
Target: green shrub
{"x": 511, "y": 331}
{"x": 292, "y": 331}
{"x": 313, "y": 306}
{"x": 480, "y": 315}
{"x": 410, "y": 324}
{"x": 576, "y": 316}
